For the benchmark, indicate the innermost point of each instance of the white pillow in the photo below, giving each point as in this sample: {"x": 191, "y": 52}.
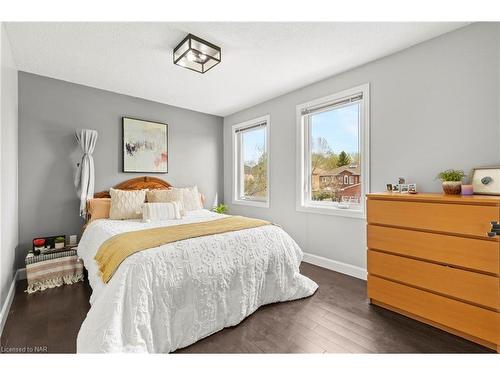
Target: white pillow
{"x": 126, "y": 204}
{"x": 161, "y": 211}
{"x": 191, "y": 198}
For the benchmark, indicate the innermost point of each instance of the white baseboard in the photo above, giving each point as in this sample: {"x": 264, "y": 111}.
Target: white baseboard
{"x": 334, "y": 265}
{"x": 19, "y": 275}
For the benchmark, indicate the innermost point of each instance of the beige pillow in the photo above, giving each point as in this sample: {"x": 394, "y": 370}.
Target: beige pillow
{"x": 191, "y": 198}
{"x": 164, "y": 195}
{"x": 188, "y": 196}
{"x": 126, "y": 204}
{"x": 98, "y": 208}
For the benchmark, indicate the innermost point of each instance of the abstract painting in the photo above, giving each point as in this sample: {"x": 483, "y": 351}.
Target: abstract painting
{"x": 145, "y": 146}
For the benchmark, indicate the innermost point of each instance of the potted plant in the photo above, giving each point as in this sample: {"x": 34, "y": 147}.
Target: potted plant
{"x": 220, "y": 209}
{"x": 59, "y": 242}
{"x": 452, "y": 180}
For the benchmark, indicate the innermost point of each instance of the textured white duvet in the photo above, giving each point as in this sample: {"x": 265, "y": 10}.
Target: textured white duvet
{"x": 171, "y": 296}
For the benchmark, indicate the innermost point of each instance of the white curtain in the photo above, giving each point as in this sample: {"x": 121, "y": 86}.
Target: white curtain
{"x": 84, "y": 178}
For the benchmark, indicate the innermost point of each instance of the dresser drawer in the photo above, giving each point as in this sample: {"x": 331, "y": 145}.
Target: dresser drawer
{"x": 465, "y": 285}
{"x": 469, "y": 319}
{"x": 476, "y": 254}
{"x": 462, "y": 219}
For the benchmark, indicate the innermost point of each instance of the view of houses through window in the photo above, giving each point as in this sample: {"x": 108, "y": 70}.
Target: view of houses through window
{"x": 335, "y": 162}
{"x": 251, "y": 162}
{"x": 253, "y": 143}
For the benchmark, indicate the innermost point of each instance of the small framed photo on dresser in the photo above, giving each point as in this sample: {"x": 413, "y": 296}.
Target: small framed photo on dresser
{"x": 403, "y": 188}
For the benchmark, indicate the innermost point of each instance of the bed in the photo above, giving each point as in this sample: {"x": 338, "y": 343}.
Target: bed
{"x": 168, "y": 297}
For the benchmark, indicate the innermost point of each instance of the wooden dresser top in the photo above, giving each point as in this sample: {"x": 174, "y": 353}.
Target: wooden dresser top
{"x": 437, "y": 197}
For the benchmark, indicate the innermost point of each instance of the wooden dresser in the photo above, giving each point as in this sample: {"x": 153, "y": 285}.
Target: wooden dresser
{"x": 430, "y": 258}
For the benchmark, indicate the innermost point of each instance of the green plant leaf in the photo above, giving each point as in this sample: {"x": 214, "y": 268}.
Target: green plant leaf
{"x": 451, "y": 175}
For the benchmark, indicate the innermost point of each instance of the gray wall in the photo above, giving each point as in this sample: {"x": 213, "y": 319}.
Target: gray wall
{"x": 8, "y": 167}
{"x": 433, "y": 106}
{"x": 49, "y": 112}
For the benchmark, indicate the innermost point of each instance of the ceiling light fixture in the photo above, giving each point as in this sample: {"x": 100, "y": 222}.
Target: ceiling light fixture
{"x": 196, "y": 54}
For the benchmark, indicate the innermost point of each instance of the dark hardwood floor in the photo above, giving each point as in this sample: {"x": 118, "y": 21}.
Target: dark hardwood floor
{"x": 337, "y": 319}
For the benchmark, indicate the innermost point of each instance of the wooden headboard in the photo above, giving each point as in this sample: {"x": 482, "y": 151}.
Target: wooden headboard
{"x": 138, "y": 183}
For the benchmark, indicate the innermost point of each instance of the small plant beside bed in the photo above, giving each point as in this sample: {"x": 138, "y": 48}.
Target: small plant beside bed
{"x": 220, "y": 209}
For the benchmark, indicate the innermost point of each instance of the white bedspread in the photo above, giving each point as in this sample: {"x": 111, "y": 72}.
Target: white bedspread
{"x": 173, "y": 295}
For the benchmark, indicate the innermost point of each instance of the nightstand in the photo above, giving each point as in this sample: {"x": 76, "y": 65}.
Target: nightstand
{"x": 53, "y": 269}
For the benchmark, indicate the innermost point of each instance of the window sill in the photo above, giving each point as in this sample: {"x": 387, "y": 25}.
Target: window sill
{"x": 251, "y": 203}
{"x": 333, "y": 211}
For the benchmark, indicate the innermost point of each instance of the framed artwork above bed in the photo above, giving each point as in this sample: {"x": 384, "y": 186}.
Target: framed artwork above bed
{"x": 145, "y": 146}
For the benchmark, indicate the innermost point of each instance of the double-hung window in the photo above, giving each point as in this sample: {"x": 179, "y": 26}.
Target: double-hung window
{"x": 251, "y": 162}
{"x": 333, "y": 142}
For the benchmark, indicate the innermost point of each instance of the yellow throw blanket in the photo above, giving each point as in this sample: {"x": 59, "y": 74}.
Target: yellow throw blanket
{"x": 116, "y": 249}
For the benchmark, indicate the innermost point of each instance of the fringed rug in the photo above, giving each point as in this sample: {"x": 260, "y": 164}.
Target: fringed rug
{"x": 51, "y": 273}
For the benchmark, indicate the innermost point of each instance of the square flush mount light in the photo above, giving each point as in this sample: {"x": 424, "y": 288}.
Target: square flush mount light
{"x": 196, "y": 54}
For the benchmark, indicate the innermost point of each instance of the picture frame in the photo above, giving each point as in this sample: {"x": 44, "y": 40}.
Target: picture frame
{"x": 395, "y": 188}
{"x": 403, "y": 188}
{"x": 144, "y": 146}
{"x": 389, "y": 187}
{"x": 412, "y": 188}
{"x": 486, "y": 180}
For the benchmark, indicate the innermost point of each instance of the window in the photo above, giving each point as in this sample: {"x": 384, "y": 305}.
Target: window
{"x": 251, "y": 162}
{"x": 333, "y": 140}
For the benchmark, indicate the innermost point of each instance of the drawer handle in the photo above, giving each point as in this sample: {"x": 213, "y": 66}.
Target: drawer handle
{"x": 495, "y": 229}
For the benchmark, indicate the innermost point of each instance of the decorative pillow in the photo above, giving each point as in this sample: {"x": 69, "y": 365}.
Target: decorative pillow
{"x": 191, "y": 198}
{"x": 161, "y": 211}
{"x": 126, "y": 204}
{"x": 98, "y": 208}
{"x": 164, "y": 195}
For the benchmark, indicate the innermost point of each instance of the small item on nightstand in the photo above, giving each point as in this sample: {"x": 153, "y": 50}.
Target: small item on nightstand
{"x": 38, "y": 245}
{"x": 59, "y": 242}
{"x": 467, "y": 190}
{"x": 49, "y": 244}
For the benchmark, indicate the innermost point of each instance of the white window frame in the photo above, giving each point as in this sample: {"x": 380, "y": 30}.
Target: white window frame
{"x": 236, "y": 157}
{"x": 303, "y": 201}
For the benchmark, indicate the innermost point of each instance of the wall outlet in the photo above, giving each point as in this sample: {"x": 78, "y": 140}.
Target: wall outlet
{"x": 72, "y": 239}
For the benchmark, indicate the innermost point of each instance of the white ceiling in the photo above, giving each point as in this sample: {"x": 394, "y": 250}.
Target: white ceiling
{"x": 259, "y": 60}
